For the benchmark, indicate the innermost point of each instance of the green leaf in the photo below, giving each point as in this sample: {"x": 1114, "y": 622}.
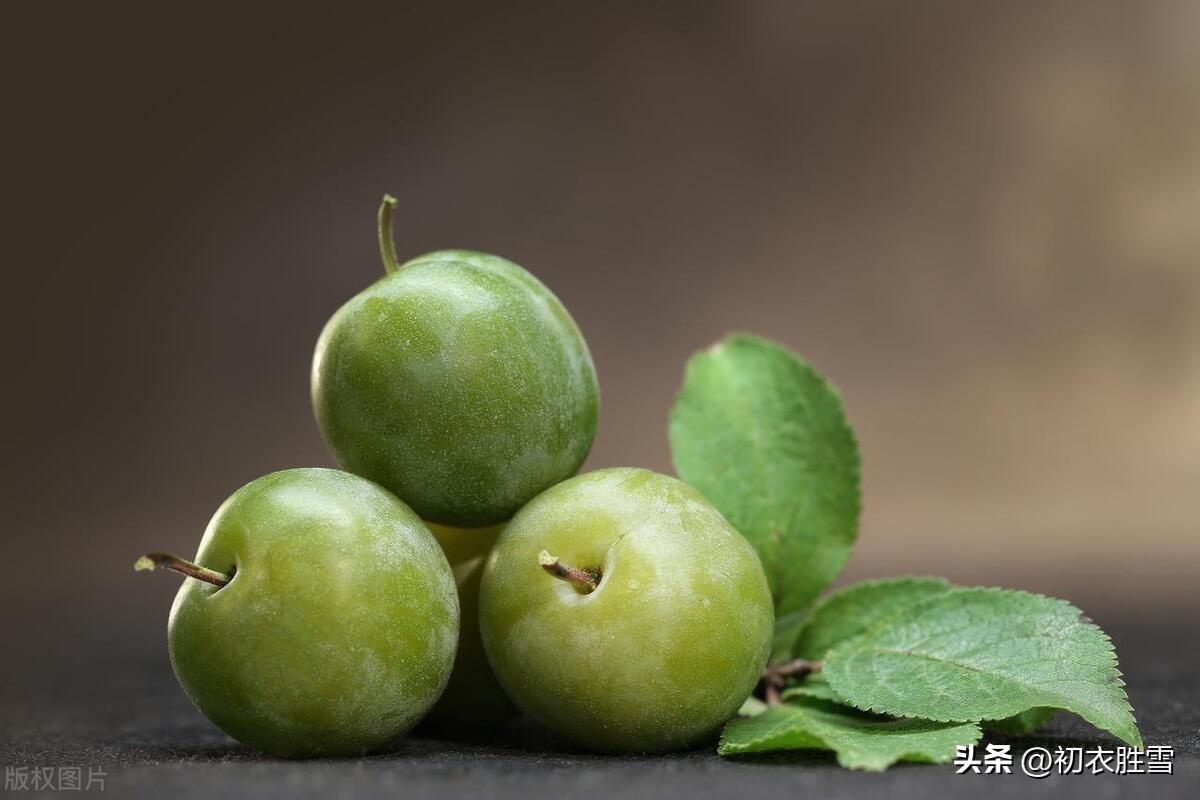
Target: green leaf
{"x": 763, "y": 436}
{"x": 871, "y": 743}
{"x": 1022, "y": 724}
{"x": 984, "y": 654}
{"x": 752, "y": 707}
{"x": 781, "y": 727}
{"x": 813, "y": 688}
{"x": 851, "y": 611}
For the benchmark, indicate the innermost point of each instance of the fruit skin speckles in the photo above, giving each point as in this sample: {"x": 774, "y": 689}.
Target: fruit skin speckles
{"x": 668, "y": 645}
{"x": 459, "y": 382}
{"x": 338, "y": 630}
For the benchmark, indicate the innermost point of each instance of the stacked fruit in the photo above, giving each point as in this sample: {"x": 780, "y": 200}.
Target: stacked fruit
{"x": 321, "y": 618}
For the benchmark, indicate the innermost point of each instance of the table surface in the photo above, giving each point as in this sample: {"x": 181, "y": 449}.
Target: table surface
{"x": 119, "y": 709}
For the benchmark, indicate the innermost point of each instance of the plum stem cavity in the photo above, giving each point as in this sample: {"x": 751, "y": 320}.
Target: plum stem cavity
{"x": 584, "y": 581}
{"x": 387, "y": 243}
{"x": 181, "y": 565}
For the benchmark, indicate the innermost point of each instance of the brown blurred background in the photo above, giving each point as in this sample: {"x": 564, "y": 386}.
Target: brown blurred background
{"x": 981, "y": 220}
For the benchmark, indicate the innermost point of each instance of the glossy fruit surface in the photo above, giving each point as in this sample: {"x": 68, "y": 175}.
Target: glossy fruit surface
{"x": 668, "y": 645}
{"x": 473, "y": 704}
{"x": 460, "y": 383}
{"x": 338, "y": 630}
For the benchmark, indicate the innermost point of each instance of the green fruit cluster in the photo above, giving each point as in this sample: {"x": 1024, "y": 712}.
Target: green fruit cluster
{"x": 321, "y": 617}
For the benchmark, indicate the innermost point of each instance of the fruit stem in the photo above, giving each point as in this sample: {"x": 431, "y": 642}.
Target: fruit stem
{"x": 796, "y": 668}
{"x": 152, "y": 560}
{"x": 775, "y": 677}
{"x": 584, "y": 580}
{"x": 387, "y": 244}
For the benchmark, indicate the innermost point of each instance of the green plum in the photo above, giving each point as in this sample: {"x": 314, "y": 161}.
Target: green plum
{"x": 473, "y": 703}
{"x": 322, "y": 620}
{"x": 457, "y": 381}
{"x": 622, "y": 611}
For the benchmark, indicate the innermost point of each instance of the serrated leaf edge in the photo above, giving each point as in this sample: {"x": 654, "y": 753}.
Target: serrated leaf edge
{"x": 910, "y": 756}
{"x": 1110, "y": 650}
{"x": 843, "y": 758}
{"x": 742, "y": 749}
{"x": 746, "y": 337}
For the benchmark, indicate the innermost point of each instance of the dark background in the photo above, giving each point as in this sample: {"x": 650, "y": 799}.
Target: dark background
{"x": 979, "y": 219}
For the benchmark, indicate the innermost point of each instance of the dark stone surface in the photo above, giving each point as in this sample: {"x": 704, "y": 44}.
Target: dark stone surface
{"x": 120, "y": 709}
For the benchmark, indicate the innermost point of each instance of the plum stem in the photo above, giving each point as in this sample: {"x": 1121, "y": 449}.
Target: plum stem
{"x": 387, "y": 244}
{"x": 796, "y": 668}
{"x": 584, "y": 580}
{"x": 182, "y": 565}
{"x": 775, "y": 677}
